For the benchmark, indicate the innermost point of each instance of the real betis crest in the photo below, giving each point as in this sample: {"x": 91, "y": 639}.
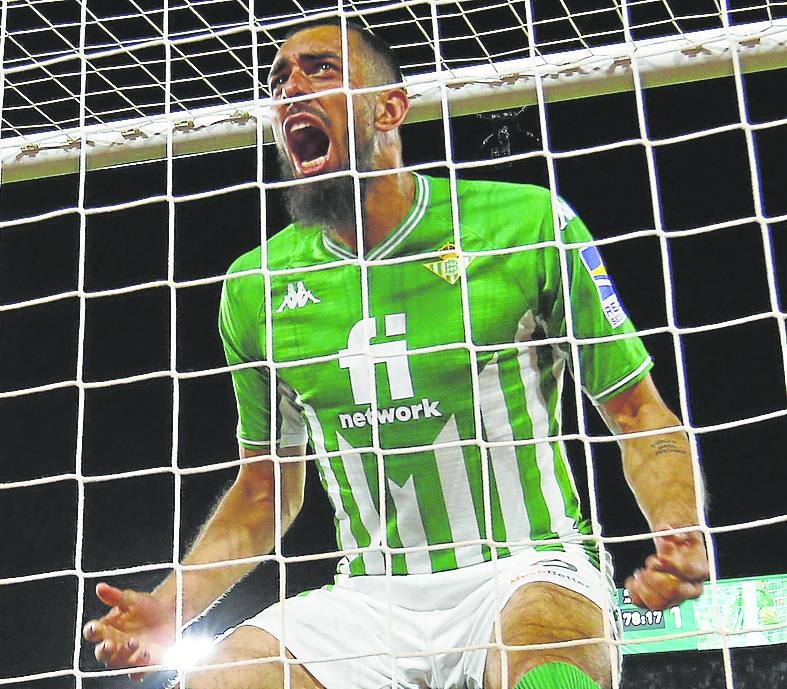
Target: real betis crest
{"x": 448, "y": 266}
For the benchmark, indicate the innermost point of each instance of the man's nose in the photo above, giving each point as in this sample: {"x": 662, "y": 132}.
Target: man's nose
{"x": 297, "y": 84}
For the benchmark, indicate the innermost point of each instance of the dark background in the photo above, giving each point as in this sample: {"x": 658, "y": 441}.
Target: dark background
{"x": 732, "y": 372}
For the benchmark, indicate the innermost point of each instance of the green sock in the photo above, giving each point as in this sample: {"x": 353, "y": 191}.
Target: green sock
{"x": 556, "y": 676}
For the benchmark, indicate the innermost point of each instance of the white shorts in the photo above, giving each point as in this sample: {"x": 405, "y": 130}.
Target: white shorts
{"x": 413, "y": 631}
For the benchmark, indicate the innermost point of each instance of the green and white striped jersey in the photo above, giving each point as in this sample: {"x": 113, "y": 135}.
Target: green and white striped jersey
{"x": 456, "y": 453}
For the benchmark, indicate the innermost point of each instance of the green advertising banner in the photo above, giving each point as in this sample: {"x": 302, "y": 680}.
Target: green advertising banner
{"x": 756, "y": 604}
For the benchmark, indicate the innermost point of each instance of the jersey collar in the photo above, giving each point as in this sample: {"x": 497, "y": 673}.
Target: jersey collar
{"x": 395, "y": 238}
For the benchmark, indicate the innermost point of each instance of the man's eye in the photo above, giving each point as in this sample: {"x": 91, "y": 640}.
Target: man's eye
{"x": 327, "y": 67}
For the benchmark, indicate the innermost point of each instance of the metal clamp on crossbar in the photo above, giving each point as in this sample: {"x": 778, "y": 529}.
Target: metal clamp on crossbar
{"x": 696, "y": 50}
{"x": 569, "y": 72}
{"x": 28, "y": 150}
{"x": 750, "y": 42}
{"x": 183, "y": 126}
{"x": 239, "y": 117}
{"x": 133, "y": 134}
{"x": 623, "y": 63}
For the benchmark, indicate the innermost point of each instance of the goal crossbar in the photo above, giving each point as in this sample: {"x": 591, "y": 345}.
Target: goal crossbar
{"x": 567, "y": 75}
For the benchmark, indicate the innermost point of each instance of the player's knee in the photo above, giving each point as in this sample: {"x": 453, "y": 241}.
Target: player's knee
{"x": 543, "y": 613}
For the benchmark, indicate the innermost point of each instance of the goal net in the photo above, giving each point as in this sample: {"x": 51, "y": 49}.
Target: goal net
{"x": 137, "y": 162}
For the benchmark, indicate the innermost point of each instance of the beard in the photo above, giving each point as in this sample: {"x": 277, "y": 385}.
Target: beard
{"x": 327, "y": 203}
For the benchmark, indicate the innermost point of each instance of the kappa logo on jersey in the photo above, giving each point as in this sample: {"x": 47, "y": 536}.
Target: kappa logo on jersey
{"x": 297, "y": 297}
{"x": 613, "y": 310}
{"x": 448, "y": 267}
{"x": 393, "y": 357}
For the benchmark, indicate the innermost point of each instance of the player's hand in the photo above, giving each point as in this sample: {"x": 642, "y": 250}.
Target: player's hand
{"x": 675, "y": 573}
{"x": 136, "y": 632}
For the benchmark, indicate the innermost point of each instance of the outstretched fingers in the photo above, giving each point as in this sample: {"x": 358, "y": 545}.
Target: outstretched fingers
{"x": 130, "y": 655}
{"x": 114, "y": 646}
{"x": 97, "y": 632}
{"x": 101, "y": 630}
{"x": 115, "y": 597}
{"x": 116, "y": 651}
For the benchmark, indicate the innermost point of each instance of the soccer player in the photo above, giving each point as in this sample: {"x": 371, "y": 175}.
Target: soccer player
{"x": 467, "y": 515}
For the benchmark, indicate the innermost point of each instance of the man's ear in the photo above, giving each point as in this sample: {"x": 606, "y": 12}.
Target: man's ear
{"x": 390, "y": 109}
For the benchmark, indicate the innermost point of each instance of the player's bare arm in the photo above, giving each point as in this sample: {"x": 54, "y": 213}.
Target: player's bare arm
{"x": 140, "y": 627}
{"x": 659, "y": 470}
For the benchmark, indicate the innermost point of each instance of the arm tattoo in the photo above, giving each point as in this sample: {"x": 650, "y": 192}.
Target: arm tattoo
{"x": 667, "y": 447}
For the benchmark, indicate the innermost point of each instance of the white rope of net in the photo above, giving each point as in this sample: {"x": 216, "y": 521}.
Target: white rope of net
{"x": 505, "y": 84}
{"x": 736, "y": 51}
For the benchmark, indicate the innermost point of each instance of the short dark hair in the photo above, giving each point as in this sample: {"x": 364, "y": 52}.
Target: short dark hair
{"x": 387, "y": 71}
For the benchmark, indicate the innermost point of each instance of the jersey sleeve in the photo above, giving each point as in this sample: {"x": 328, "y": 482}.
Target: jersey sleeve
{"x": 607, "y": 367}
{"x": 241, "y": 333}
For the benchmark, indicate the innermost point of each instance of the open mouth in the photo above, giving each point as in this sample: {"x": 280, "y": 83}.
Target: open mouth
{"x": 308, "y": 143}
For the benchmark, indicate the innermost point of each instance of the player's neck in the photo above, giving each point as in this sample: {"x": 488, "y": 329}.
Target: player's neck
{"x": 387, "y": 202}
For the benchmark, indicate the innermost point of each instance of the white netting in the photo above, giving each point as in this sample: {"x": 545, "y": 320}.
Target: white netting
{"x": 85, "y": 88}
{"x": 212, "y": 48}
{"x": 208, "y": 103}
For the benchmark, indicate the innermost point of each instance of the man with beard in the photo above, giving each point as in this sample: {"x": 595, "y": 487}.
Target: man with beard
{"x": 455, "y": 507}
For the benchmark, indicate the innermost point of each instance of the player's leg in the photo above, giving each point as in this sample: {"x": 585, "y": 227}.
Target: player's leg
{"x": 540, "y": 613}
{"x": 250, "y": 643}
